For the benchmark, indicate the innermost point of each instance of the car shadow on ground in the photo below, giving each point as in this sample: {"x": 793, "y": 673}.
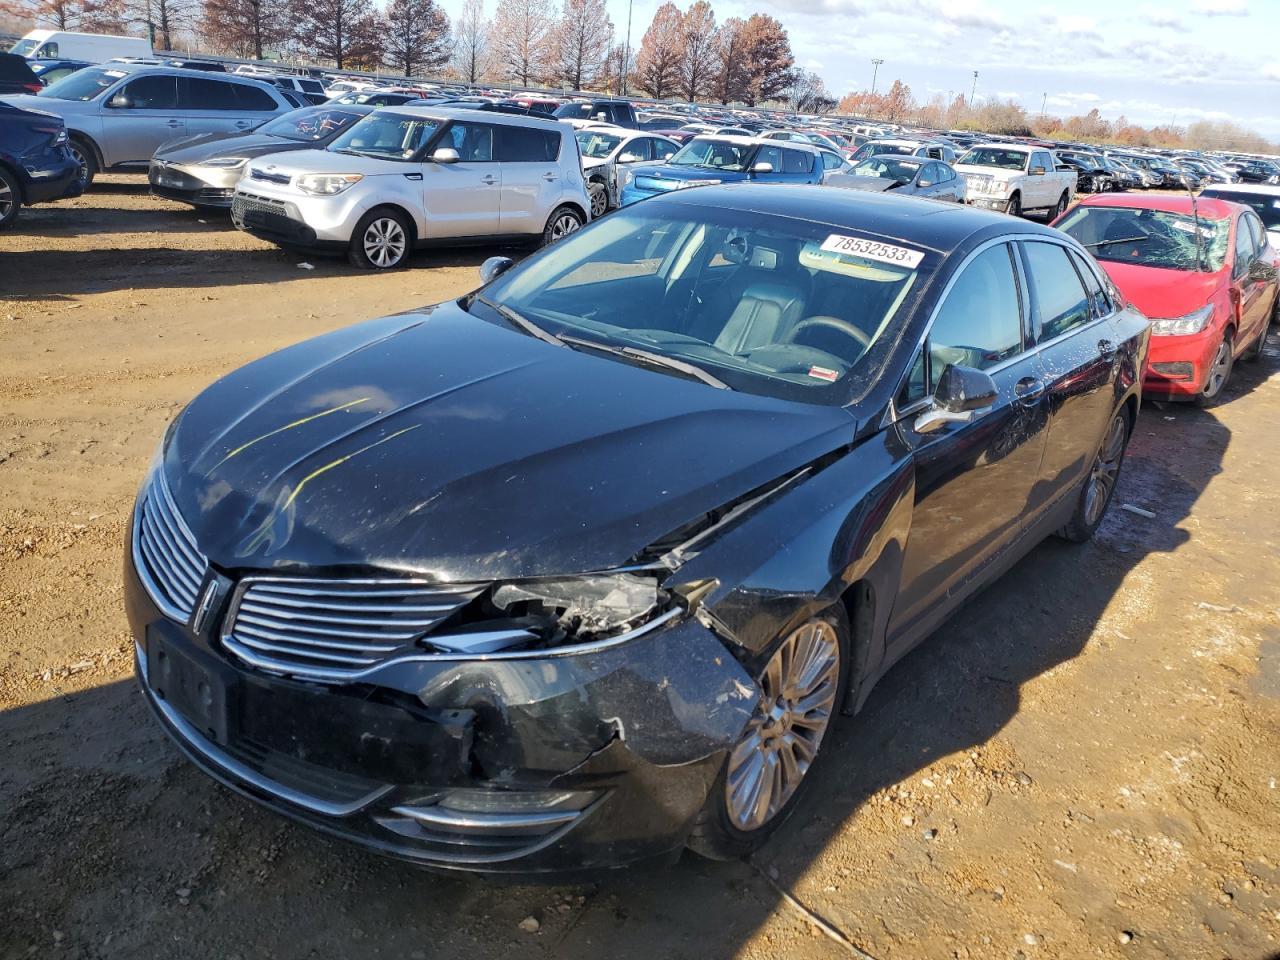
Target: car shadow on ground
{"x": 101, "y": 807}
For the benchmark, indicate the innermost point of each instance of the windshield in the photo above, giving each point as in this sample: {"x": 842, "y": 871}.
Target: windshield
{"x": 904, "y": 171}
{"x": 573, "y": 111}
{"x": 310, "y": 124}
{"x": 1148, "y": 238}
{"x": 766, "y": 304}
{"x": 592, "y": 143}
{"x": 24, "y": 48}
{"x": 878, "y": 148}
{"x": 390, "y": 136}
{"x": 995, "y": 157}
{"x": 717, "y": 154}
{"x": 83, "y": 84}
{"x": 1266, "y": 206}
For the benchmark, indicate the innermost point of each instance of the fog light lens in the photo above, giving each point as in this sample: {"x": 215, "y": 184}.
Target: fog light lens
{"x": 514, "y": 801}
{"x": 1174, "y": 371}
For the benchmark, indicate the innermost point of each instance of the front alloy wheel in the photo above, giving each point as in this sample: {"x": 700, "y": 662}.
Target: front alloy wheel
{"x": 1219, "y": 373}
{"x": 380, "y": 241}
{"x": 782, "y": 739}
{"x": 599, "y": 200}
{"x": 10, "y": 198}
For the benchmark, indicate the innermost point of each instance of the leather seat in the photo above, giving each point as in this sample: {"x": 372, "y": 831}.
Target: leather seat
{"x": 760, "y": 303}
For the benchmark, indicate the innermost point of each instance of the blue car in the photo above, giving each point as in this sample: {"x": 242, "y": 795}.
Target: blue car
{"x": 50, "y": 71}
{"x": 35, "y": 164}
{"x": 724, "y": 159}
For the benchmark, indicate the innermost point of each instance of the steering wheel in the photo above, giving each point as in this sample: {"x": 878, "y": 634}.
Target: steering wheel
{"x": 833, "y": 323}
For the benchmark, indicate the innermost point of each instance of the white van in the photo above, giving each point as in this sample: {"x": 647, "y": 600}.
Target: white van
{"x": 91, "y": 47}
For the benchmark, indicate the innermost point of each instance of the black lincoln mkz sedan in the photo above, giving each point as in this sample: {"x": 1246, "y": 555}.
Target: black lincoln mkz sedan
{"x": 580, "y": 568}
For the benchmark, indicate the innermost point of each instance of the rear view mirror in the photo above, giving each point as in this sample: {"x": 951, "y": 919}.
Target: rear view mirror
{"x": 961, "y": 393}
{"x": 764, "y": 166}
{"x": 494, "y": 267}
{"x": 446, "y": 155}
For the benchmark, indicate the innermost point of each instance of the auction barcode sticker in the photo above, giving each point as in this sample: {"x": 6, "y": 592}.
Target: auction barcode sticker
{"x": 873, "y": 250}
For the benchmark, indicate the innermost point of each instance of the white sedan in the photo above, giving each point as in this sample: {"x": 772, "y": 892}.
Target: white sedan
{"x": 604, "y": 149}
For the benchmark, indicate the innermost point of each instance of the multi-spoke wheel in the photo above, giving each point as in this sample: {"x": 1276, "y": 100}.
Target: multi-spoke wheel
{"x": 800, "y": 691}
{"x": 10, "y": 198}
{"x": 1215, "y": 380}
{"x": 561, "y": 223}
{"x": 380, "y": 241}
{"x": 88, "y": 160}
{"x": 599, "y": 199}
{"x": 1100, "y": 484}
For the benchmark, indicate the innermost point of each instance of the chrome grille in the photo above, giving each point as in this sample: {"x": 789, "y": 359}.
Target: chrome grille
{"x": 165, "y": 552}
{"x": 334, "y": 629}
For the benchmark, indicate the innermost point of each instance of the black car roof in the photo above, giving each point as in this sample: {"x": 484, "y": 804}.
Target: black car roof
{"x": 928, "y": 223}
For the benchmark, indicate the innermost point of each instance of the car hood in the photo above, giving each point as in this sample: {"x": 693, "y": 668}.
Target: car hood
{"x": 206, "y": 146}
{"x": 30, "y": 101}
{"x": 1159, "y": 292}
{"x": 872, "y": 184}
{"x": 326, "y": 161}
{"x": 963, "y": 168}
{"x": 685, "y": 174}
{"x": 440, "y": 443}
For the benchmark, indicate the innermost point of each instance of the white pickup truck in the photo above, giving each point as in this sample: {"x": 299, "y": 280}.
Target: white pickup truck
{"x": 1016, "y": 178}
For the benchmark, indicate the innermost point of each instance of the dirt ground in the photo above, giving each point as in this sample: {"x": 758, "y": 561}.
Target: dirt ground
{"x": 1083, "y": 763}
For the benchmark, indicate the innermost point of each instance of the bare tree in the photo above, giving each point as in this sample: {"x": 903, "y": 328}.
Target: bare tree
{"x": 471, "y": 45}
{"x": 246, "y": 28}
{"x": 105, "y": 16}
{"x": 581, "y": 41}
{"x": 658, "y": 62}
{"x": 698, "y": 47}
{"x": 61, "y": 14}
{"x": 808, "y": 94}
{"x": 518, "y": 37}
{"x": 613, "y": 70}
{"x": 163, "y": 19}
{"x": 344, "y": 31}
{"x": 768, "y": 51}
{"x": 416, "y": 36}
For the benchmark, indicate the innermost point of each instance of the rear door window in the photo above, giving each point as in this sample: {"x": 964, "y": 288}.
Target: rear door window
{"x": 196, "y": 93}
{"x": 1246, "y": 249}
{"x": 252, "y": 98}
{"x": 473, "y": 141}
{"x": 527, "y": 145}
{"x": 796, "y": 161}
{"x": 1061, "y": 303}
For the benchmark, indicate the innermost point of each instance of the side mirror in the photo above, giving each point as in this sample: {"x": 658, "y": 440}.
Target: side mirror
{"x": 1262, "y": 271}
{"x": 495, "y": 267}
{"x": 961, "y": 393}
{"x": 445, "y": 155}
{"x": 601, "y": 116}
{"x": 764, "y": 166}
{"x": 1064, "y": 168}
{"x": 628, "y": 158}
{"x": 1037, "y": 171}
{"x": 121, "y": 101}
{"x": 924, "y": 183}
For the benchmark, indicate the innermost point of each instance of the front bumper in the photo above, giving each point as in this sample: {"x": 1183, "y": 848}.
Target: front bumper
{"x": 1178, "y": 366}
{"x": 643, "y": 728}
{"x": 172, "y": 182}
{"x": 51, "y": 178}
{"x": 987, "y": 202}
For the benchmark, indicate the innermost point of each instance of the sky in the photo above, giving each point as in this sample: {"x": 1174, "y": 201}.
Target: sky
{"x": 1174, "y": 61}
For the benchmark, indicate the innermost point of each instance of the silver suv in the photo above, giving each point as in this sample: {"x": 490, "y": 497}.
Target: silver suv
{"x": 118, "y": 114}
{"x": 412, "y": 176}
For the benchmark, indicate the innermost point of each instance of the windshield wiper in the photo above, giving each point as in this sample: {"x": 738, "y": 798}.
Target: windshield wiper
{"x": 524, "y": 323}
{"x": 656, "y": 359}
{"x": 1107, "y": 243}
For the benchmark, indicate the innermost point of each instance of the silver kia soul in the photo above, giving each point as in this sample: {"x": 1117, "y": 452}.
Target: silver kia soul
{"x": 411, "y": 176}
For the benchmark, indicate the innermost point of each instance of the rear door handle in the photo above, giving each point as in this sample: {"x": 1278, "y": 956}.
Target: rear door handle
{"x": 1029, "y": 390}
{"x": 173, "y": 123}
{"x": 549, "y": 177}
{"x": 489, "y": 178}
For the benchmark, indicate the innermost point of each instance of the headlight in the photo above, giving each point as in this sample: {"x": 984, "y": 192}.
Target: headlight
{"x": 327, "y": 184}
{"x": 226, "y": 163}
{"x": 1183, "y": 326}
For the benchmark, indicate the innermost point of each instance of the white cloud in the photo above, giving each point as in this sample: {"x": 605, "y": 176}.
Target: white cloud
{"x": 1077, "y": 24}
{"x": 1271, "y": 71}
{"x": 1222, "y": 8}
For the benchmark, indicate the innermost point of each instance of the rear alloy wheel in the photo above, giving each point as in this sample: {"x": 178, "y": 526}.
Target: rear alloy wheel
{"x": 10, "y": 198}
{"x": 800, "y": 691}
{"x": 599, "y": 199}
{"x": 84, "y": 155}
{"x": 1100, "y": 484}
{"x": 1215, "y": 380}
{"x": 380, "y": 241}
{"x": 1013, "y": 207}
{"x": 564, "y": 221}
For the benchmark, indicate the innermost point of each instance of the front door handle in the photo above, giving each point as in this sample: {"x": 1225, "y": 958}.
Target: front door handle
{"x": 1029, "y": 390}
{"x": 489, "y": 178}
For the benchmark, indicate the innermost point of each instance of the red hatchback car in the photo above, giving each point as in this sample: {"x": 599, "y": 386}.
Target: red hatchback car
{"x": 1206, "y": 278}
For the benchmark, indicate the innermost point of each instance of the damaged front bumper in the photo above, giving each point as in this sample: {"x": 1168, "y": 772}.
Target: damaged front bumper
{"x": 539, "y": 764}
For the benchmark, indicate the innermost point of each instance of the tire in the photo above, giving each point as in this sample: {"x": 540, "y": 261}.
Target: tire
{"x": 10, "y": 198}
{"x": 722, "y": 833}
{"x": 562, "y": 222}
{"x": 1100, "y": 485}
{"x": 1013, "y": 206}
{"x": 380, "y": 241}
{"x": 1060, "y": 209}
{"x": 88, "y": 160}
{"x": 599, "y": 199}
{"x": 1219, "y": 374}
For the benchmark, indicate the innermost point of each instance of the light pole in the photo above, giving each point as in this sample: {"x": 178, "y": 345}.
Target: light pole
{"x": 875, "y": 70}
{"x": 974, "y": 92}
{"x": 1043, "y": 101}
{"x": 626, "y": 53}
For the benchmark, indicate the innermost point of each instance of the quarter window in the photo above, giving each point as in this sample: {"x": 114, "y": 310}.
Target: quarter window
{"x": 1061, "y": 301}
{"x": 525, "y": 145}
{"x": 980, "y": 322}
